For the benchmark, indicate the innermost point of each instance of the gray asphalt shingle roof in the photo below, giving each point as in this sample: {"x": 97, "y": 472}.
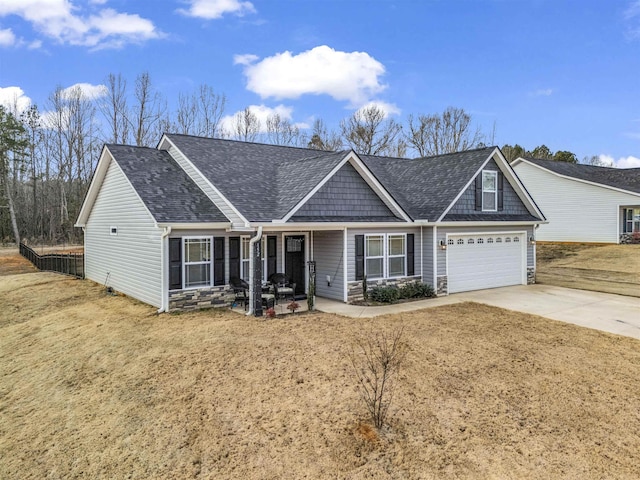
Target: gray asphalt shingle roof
{"x": 425, "y": 187}
{"x": 262, "y": 181}
{"x": 624, "y": 178}
{"x": 165, "y": 188}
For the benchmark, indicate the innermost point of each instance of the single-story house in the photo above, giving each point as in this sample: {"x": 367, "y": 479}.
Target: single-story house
{"x": 171, "y": 226}
{"x": 583, "y": 203}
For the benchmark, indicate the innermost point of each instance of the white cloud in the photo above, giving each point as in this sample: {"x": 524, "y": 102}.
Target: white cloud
{"x": 387, "y": 108}
{"x": 622, "y": 162}
{"x": 7, "y": 38}
{"x": 347, "y": 76}
{"x": 14, "y": 98}
{"x": 262, "y": 112}
{"x": 245, "y": 59}
{"x": 213, "y": 9}
{"x": 89, "y": 92}
{"x": 61, "y": 20}
{"x": 542, "y": 92}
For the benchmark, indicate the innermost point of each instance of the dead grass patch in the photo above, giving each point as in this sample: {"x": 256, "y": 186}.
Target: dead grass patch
{"x": 102, "y": 387}
{"x": 603, "y": 268}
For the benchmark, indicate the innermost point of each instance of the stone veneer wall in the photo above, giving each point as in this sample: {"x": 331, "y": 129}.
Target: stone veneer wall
{"x": 185, "y": 300}
{"x": 531, "y": 275}
{"x": 354, "y": 289}
{"x": 627, "y": 238}
{"x": 443, "y": 285}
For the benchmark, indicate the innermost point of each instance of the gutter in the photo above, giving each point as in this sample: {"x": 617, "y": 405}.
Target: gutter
{"x": 252, "y": 242}
{"x": 164, "y": 291}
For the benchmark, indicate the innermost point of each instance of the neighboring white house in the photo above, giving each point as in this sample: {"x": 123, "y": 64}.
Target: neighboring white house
{"x": 582, "y": 203}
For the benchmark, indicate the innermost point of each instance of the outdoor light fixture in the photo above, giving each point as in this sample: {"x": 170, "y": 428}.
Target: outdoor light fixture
{"x": 532, "y": 240}
{"x": 443, "y": 245}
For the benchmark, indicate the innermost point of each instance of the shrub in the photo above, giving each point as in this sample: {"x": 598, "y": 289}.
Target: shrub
{"x": 384, "y": 294}
{"x": 416, "y": 290}
{"x": 271, "y": 312}
{"x": 635, "y": 237}
{"x": 376, "y": 359}
{"x": 293, "y": 306}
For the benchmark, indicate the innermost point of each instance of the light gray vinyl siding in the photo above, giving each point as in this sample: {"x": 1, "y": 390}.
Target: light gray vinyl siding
{"x": 328, "y": 253}
{"x": 179, "y": 233}
{"x": 443, "y": 231}
{"x": 427, "y": 255}
{"x": 351, "y": 246}
{"x": 346, "y": 194}
{"x": 132, "y": 258}
{"x": 466, "y": 204}
{"x": 576, "y": 211}
{"x": 205, "y": 186}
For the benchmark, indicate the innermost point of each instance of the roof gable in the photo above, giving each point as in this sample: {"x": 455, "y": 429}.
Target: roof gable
{"x": 166, "y": 191}
{"x": 625, "y": 179}
{"x": 345, "y": 196}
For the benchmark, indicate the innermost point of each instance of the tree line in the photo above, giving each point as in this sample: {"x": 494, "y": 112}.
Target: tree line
{"x": 48, "y": 155}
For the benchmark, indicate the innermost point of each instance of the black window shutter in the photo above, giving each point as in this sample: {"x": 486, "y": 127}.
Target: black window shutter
{"x": 218, "y": 260}
{"x": 234, "y": 257}
{"x": 479, "y": 192}
{"x": 175, "y": 263}
{"x": 410, "y": 255}
{"x": 272, "y": 242}
{"x": 359, "y": 257}
{"x": 500, "y": 191}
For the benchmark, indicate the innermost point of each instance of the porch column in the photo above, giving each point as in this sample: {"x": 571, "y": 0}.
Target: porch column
{"x": 257, "y": 278}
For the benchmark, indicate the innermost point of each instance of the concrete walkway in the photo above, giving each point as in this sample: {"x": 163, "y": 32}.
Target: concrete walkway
{"x": 602, "y": 311}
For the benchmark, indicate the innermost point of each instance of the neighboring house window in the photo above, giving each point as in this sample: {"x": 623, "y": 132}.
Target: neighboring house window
{"x": 396, "y": 256}
{"x": 374, "y": 256}
{"x": 628, "y": 224}
{"x": 197, "y": 262}
{"x": 489, "y": 191}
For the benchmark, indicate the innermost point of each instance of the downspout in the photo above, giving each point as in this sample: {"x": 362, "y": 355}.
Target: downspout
{"x": 164, "y": 307}
{"x": 252, "y": 242}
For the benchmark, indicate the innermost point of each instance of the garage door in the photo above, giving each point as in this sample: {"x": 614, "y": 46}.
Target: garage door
{"x": 485, "y": 261}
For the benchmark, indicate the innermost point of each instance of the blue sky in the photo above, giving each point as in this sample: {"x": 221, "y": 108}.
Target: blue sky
{"x": 560, "y": 72}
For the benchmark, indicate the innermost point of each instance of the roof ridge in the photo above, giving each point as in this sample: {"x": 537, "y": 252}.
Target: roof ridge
{"x": 455, "y": 153}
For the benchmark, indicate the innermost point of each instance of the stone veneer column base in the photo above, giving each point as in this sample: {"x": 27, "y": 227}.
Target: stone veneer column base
{"x": 531, "y": 275}
{"x": 187, "y": 300}
{"x": 443, "y": 285}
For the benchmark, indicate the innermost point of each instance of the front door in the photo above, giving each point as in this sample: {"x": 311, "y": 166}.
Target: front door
{"x": 294, "y": 256}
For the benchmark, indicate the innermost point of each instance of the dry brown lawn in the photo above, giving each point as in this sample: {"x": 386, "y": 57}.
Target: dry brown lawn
{"x": 94, "y": 386}
{"x": 603, "y": 268}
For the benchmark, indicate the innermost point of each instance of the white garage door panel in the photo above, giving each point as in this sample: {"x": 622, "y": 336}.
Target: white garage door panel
{"x": 489, "y": 264}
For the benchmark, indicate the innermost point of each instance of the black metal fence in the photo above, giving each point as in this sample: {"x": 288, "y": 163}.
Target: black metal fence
{"x": 67, "y": 263}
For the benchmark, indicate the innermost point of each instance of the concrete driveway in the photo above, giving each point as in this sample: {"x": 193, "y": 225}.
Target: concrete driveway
{"x": 602, "y": 311}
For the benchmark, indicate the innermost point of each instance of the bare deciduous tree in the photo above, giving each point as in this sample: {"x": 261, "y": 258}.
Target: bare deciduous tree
{"x": 280, "y": 131}
{"x": 147, "y": 112}
{"x": 367, "y": 131}
{"x": 322, "y": 138}
{"x": 115, "y": 109}
{"x": 246, "y": 126}
{"x": 438, "y": 134}
{"x": 376, "y": 359}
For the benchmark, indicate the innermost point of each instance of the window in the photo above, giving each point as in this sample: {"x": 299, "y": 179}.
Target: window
{"x": 470, "y": 241}
{"x": 113, "y": 230}
{"x": 197, "y": 262}
{"x": 498, "y": 240}
{"x": 489, "y": 240}
{"x": 628, "y": 220}
{"x": 507, "y": 239}
{"x": 396, "y": 256}
{"x": 245, "y": 255}
{"x": 516, "y": 239}
{"x": 489, "y": 191}
{"x": 374, "y": 256}
{"x": 460, "y": 241}
{"x": 480, "y": 240}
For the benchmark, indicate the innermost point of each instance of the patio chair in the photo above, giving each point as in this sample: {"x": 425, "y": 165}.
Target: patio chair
{"x": 283, "y": 286}
{"x": 240, "y": 290}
